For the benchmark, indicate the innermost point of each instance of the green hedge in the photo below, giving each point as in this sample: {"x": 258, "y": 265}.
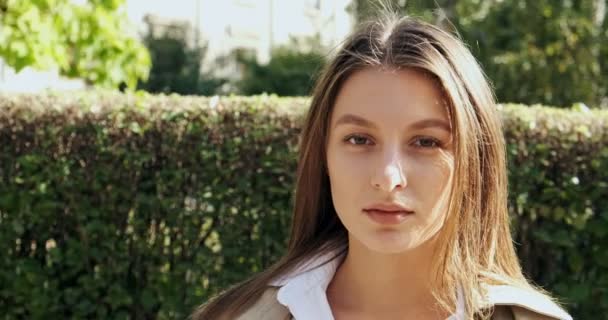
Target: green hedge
{"x": 141, "y": 207}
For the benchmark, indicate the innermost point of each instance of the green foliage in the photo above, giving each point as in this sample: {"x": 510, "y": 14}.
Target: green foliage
{"x": 291, "y": 71}
{"x": 558, "y": 187}
{"x": 176, "y": 67}
{"x": 137, "y": 206}
{"x": 550, "y": 52}
{"x": 88, "y": 41}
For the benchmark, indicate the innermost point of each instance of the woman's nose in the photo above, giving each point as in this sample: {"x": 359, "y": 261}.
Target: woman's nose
{"x": 389, "y": 174}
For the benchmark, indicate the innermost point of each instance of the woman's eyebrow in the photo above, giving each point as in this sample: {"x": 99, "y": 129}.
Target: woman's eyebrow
{"x": 355, "y": 120}
{"x": 432, "y": 123}
{"x": 422, "y": 124}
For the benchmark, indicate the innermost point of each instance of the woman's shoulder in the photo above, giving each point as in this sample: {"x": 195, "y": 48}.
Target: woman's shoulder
{"x": 509, "y": 302}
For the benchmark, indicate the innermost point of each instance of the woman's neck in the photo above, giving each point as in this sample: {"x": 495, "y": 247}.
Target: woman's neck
{"x": 373, "y": 283}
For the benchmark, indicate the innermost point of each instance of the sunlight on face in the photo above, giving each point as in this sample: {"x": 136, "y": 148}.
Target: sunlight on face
{"x": 390, "y": 141}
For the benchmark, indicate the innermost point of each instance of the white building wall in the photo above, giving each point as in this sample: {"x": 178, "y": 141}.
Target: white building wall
{"x": 30, "y": 80}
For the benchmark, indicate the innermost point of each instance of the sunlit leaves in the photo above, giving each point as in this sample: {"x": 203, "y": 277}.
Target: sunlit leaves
{"x": 89, "y": 41}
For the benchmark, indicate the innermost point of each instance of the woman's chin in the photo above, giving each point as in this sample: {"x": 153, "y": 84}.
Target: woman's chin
{"x": 390, "y": 242}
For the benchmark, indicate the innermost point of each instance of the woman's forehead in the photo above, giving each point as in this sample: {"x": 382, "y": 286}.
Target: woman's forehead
{"x": 397, "y": 95}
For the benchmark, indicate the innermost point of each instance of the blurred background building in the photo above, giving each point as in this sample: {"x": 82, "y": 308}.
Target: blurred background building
{"x": 253, "y": 25}
{"x": 533, "y": 52}
{"x": 249, "y": 27}
{"x": 32, "y": 80}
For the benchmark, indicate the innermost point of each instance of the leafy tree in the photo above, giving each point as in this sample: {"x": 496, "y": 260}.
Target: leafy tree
{"x": 88, "y": 41}
{"x": 541, "y": 51}
{"x": 545, "y": 51}
{"x": 291, "y": 71}
{"x": 176, "y": 65}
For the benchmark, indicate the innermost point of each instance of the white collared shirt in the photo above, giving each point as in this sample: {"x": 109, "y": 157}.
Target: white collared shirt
{"x": 303, "y": 291}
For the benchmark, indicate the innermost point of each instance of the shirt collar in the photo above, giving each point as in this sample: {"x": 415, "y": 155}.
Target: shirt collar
{"x": 303, "y": 291}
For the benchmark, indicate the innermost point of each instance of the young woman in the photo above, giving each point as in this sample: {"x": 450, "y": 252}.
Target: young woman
{"x": 401, "y": 194}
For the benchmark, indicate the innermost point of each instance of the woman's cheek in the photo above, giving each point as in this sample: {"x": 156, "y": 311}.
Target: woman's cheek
{"x": 355, "y": 164}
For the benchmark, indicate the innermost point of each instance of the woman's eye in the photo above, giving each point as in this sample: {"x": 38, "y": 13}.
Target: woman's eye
{"x": 420, "y": 142}
{"x": 427, "y": 143}
{"x": 357, "y": 140}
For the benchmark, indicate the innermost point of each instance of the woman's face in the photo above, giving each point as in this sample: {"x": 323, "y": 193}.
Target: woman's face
{"x": 390, "y": 142}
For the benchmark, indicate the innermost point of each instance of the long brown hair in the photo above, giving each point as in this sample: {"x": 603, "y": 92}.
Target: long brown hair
{"x": 475, "y": 243}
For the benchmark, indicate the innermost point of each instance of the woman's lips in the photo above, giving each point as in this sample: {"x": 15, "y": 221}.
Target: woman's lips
{"x": 387, "y": 217}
